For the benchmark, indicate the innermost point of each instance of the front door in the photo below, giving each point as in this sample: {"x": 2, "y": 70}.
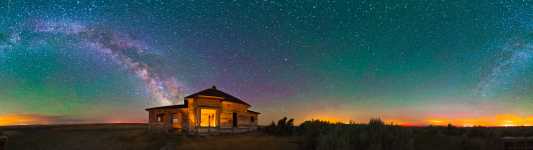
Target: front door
{"x": 234, "y": 118}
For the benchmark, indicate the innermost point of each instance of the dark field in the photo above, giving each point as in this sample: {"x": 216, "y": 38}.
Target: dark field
{"x": 130, "y": 137}
{"x": 85, "y": 137}
{"x": 309, "y": 135}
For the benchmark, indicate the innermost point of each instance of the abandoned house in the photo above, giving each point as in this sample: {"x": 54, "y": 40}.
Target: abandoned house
{"x": 210, "y": 110}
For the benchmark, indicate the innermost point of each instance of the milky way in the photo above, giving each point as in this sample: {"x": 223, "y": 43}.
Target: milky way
{"x": 120, "y": 48}
{"x": 515, "y": 57}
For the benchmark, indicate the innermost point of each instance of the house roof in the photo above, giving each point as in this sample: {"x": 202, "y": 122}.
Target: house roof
{"x": 165, "y": 107}
{"x": 255, "y": 112}
{"x": 215, "y": 92}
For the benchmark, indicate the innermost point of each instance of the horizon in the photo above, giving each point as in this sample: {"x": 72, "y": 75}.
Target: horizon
{"x": 411, "y": 63}
{"x": 29, "y": 120}
{"x": 298, "y": 124}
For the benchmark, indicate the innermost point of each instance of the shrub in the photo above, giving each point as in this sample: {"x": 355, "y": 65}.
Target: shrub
{"x": 376, "y": 135}
{"x": 285, "y": 127}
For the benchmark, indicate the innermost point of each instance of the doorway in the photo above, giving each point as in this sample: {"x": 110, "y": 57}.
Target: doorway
{"x": 208, "y": 117}
{"x": 234, "y": 118}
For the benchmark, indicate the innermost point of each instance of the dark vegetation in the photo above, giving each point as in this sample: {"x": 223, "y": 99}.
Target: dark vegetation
{"x": 376, "y": 135}
{"x": 87, "y": 137}
{"x": 283, "y": 134}
{"x": 285, "y": 127}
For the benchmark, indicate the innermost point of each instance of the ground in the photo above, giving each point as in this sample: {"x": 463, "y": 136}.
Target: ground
{"x": 251, "y": 141}
{"x": 131, "y": 137}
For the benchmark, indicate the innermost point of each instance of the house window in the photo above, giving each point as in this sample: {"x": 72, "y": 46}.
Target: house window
{"x": 175, "y": 120}
{"x": 252, "y": 119}
{"x": 208, "y": 117}
{"x": 159, "y": 117}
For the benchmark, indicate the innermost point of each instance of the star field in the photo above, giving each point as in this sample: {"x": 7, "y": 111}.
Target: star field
{"x": 409, "y": 62}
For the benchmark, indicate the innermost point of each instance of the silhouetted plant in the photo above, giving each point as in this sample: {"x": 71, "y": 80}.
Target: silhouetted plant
{"x": 285, "y": 127}
{"x": 376, "y": 135}
{"x": 376, "y": 122}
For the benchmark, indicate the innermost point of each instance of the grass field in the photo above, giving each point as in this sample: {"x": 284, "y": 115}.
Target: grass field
{"x": 250, "y": 141}
{"x": 85, "y": 137}
{"x": 130, "y": 137}
{"x": 310, "y": 135}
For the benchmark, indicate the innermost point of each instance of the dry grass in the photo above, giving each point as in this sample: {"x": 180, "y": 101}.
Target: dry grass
{"x": 132, "y": 137}
{"x": 250, "y": 141}
{"x": 85, "y": 137}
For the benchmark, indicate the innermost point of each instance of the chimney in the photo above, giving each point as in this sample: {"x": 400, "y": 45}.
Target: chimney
{"x": 214, "y": 87}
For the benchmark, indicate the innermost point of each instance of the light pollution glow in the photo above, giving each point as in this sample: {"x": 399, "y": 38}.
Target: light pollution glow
{"x": 22, "y": 120}
{"x": 35, "y": 119}
{"x": 505, "y": 120}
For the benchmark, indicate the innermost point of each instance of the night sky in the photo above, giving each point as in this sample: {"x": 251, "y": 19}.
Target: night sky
{"x": 407, "y": 62}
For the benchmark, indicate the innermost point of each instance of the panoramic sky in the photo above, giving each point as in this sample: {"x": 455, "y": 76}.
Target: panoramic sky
{"x": 407, "y": 62}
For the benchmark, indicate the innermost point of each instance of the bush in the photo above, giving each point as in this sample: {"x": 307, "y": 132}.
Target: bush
{"x": 285, "y": 127}
{"x": 376, "y": 122}
{"x": 376, "y": 135}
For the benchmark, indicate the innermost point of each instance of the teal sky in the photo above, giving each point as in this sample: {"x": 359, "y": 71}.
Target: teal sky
{"x": 404, "y": 61}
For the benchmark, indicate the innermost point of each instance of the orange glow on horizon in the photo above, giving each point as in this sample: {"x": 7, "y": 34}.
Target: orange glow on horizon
{"x": 35, "y": 119}
{"x": 501, "y": 120}
{"x": 329, "y": 119}
{"x": 124, "y": 121}
{"x": 21, "y": 120}
{"x": 504, "y": 120}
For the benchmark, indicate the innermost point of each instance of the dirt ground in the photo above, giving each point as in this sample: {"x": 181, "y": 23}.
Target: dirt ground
{"x": 250, "y": 141}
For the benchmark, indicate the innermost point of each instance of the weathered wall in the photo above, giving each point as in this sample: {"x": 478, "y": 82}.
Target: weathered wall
{"x": 225, "y": 120}
{"x": 245, "y": 119}
{"x": 208, "y": 102}
{"x": 169, "y": 115}
{"x": 192, "y": 113}
{"x": 226, "y": 117}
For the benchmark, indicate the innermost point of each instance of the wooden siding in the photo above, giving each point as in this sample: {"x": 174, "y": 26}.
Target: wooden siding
{"x": 169, "y": 116}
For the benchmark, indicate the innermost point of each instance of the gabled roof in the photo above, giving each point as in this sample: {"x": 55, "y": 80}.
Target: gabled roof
{"x": 255, "y": 112}
{"x": 165, "y": 107}
{"x": 215, "y": 92}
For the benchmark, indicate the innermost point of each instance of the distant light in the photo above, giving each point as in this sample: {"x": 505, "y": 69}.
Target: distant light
{"x": 468, "y": 125}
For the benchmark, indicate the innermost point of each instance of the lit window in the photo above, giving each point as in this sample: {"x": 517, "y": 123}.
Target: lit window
{"x": 208, "y": 117}
{"x": 159, "y": 118}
